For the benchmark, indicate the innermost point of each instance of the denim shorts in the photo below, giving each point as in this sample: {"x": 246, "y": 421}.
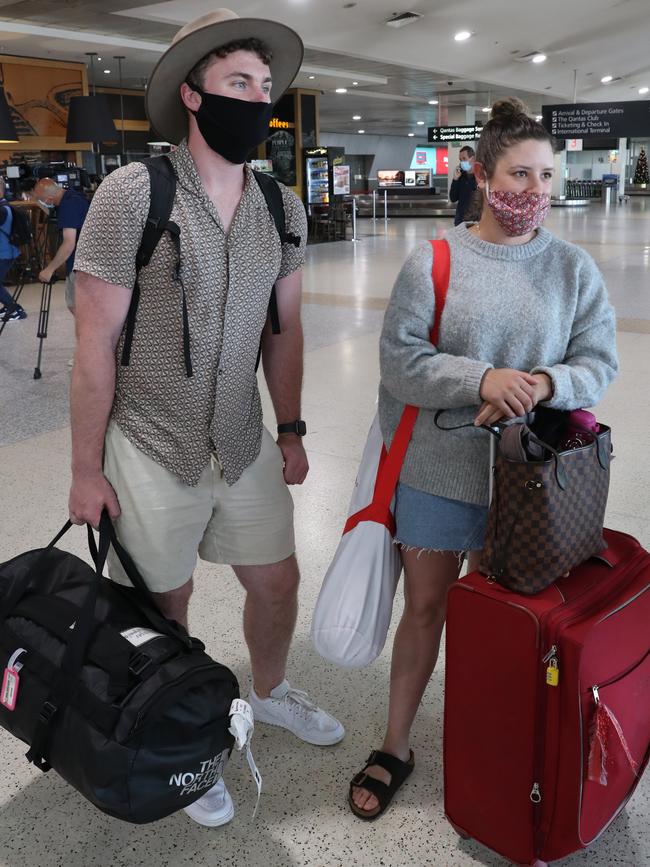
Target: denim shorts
{"x": 436, "y": 523}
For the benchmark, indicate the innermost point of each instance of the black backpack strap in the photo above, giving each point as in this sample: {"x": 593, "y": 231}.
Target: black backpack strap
{"x": 275, "y": 203}
{"x": 162, "y": 185}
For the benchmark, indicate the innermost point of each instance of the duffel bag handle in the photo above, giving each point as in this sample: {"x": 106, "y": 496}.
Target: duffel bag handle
{"x": 142, "y": 597}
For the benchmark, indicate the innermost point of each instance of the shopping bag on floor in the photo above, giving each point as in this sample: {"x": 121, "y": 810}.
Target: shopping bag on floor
{"x": 355, "y": 604}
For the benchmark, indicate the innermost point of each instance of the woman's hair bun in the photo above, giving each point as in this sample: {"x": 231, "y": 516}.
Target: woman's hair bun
{"x": 509, "y": 109}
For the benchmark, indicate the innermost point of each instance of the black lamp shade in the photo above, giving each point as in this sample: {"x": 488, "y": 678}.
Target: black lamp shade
{"x": 7, "y": 128}
{"x": 89, "y": 119}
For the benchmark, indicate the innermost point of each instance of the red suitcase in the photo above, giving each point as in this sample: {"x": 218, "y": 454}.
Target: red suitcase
{"x": 534, "y": 685}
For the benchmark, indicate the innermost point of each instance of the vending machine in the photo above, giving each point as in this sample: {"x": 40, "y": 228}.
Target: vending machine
{"x": 320, "y": 163}
{"x": 317, "y": 180}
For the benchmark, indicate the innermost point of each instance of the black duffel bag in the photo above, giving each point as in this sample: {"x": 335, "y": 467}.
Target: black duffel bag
{"x": 120, "y": 701}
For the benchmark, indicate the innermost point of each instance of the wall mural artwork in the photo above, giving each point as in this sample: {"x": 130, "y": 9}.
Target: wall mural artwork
{"x": 39, "y": 97}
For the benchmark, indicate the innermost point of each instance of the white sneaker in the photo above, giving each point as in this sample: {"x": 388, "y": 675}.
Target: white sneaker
{"x": 293, "y": 710}
{"x": 214, "y": 808}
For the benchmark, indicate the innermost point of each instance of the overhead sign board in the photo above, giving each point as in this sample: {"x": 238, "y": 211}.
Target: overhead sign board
{"x": 454, "y": 133}
{"x": 590, "y": 119}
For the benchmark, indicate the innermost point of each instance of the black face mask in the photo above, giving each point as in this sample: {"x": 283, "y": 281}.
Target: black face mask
{"x": 232, "y": 127}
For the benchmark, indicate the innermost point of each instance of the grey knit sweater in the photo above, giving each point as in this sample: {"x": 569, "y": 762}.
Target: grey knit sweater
{"x": 539, "y": 307}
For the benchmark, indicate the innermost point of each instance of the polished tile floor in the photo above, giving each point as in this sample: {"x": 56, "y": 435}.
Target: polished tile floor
{"x": 303, "y": 819}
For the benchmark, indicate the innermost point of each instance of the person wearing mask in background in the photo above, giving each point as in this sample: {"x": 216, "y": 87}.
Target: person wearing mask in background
{"x": 71, "y": 209}
{"x": 173, "y": 444}
{"x": 463, "y": 185}
{"x": 527, "y": 321}
{"x": 10, "y": 311}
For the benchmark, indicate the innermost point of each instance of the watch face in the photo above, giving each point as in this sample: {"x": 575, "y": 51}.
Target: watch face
{"x": 301, "y": 428}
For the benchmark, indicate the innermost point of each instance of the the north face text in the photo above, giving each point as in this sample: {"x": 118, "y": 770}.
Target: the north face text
{"x": 195, "y": 781}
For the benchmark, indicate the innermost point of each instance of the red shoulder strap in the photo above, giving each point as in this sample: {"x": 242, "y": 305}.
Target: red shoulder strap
{"x": 391, "y": 461}
{"x": 440, "y": 279}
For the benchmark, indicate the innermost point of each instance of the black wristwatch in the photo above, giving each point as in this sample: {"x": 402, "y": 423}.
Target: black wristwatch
{"x": 297, "y": 427}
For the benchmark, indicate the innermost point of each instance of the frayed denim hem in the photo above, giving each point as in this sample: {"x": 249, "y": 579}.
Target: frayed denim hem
{"x": 460, "y": 555}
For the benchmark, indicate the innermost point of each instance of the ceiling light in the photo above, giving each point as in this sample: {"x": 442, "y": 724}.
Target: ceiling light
{"x": 99, "y": 58}
{"x": 361, "y": 131}
{"x": 341, "y": 90}
{"x": 356, "y": 117}
{"x": 411, "y": 134}
{"x": 107, "y": 71}
{"x": 486, "y": 108}
{"x": 355, "y": 83}
{"x": 433, "y": 102}
{"x": 311, "y": 77}
{"x": 420, "y": 123}
{"x": 643, "y": 90}
{"x": 462, "y": 36}
{"x": 606, "y": 79}
{"x": 538, "y": 58}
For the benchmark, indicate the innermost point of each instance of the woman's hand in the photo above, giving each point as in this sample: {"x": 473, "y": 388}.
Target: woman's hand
{"x": 509, "y": 391}
{"x": 492, "y": 411}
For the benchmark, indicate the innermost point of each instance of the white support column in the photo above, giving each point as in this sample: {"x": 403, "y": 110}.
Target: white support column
{"x": 622, "y": 165}
{"x": 559, "y": 175}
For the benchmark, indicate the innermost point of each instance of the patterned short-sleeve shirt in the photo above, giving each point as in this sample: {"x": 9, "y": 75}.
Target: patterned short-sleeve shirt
{"x": 177, "y": 420}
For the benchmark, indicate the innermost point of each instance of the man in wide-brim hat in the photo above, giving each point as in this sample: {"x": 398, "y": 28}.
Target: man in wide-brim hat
{"x": 187, "y": 465}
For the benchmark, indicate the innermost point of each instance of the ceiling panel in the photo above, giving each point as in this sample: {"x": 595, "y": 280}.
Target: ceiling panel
{"x": 407, "y": 66}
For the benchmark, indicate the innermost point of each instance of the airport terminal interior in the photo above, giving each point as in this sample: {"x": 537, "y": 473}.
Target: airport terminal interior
{"x": 369, "y": 137}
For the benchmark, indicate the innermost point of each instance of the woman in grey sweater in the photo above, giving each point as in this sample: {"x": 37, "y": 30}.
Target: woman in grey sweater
{"x": 526, "y": 321}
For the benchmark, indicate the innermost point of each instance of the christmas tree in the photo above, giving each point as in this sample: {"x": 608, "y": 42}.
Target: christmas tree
{"x": 641, "y": 175}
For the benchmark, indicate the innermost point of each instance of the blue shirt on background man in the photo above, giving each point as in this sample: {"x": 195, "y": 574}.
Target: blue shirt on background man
{"x": 70, "y": 214}
{"x": 7, "y": 249}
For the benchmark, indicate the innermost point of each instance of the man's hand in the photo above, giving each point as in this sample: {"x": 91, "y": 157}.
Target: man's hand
{"x": 46, "y": 275}
{"x": 457, "y": 172}
{"x": 89, "y": 494}
{"x": 296, "y": 465}
{"x": 492, "y": 412}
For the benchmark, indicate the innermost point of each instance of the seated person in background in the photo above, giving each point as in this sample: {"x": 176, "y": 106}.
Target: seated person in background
{"x": 10, "y": 311}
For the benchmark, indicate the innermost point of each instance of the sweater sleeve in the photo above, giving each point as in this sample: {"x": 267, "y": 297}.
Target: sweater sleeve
{"x": 590, "y": 362}
{"x": 412, "y": 369}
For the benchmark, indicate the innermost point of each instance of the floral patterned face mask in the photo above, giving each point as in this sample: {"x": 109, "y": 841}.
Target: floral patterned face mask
{"x": 518, "y": 213}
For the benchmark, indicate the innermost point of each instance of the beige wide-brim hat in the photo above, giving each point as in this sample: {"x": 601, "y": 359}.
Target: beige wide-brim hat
{"x": 163, "y": 103}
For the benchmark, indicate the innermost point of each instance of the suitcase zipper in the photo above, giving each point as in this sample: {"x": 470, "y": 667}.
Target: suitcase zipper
{"x": 593, "y": 597}
{"x": 595, "y": 691}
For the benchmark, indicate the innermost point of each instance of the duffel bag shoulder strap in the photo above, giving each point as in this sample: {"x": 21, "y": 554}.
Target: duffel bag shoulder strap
{"x": 71, "y": 664}
{"x": 76, "y": 650}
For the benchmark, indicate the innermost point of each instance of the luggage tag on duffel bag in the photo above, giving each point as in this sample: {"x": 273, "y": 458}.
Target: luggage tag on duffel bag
{"x": 241, "y": 728}
{"x": 11, "y": 680}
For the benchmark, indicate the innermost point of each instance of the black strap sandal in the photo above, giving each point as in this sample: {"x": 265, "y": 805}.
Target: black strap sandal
{"x": 399, "y": 772}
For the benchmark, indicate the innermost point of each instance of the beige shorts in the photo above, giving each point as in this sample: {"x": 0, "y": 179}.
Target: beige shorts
{"x": 165, "y": 522}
